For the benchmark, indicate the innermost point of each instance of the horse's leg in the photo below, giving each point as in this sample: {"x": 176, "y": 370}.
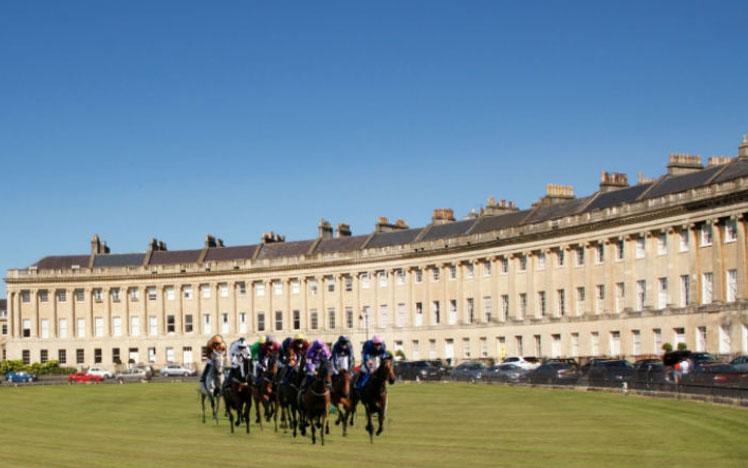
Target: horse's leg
{"x": 369, "y": 425}
{"x": 275, "y": 414}
{"x": 247, "y": 408}
{"x": 380, "y": 415}
{"x": 344, "y": 414}
{"x": 326, "y": 430}
{"x": 231, "y": 415}
{"x": 202, "y": 405}
{"x": 258, "y": 405}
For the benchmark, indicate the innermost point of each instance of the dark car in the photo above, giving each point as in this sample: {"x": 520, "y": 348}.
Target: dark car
{"x": 610, "y": 373}
{"x": 506, "y": 373}
{"x": 648, "y": 374}
{"x": 470, "y": 371}
{"x": 419, "y": 370}
{"x": 554, "y": 372}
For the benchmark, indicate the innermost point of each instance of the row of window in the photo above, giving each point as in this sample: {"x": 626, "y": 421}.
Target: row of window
{"x": 705, "y": 239}
{"x": 382, "y": 320}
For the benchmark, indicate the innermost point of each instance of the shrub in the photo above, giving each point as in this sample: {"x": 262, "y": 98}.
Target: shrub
{"x": 667, "y": 347}
{"x": 400, "y": 355}
{"x": 682, "y": 347}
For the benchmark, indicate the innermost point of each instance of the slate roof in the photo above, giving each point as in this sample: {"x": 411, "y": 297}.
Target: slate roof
{"x": 681, "y": 183}
{"x": 340, "y": 244}
{"x": 494, "y": 223}
{"x": 617, "y": 197}
{"x": 559, "y": 210}
{"x": 172, "y": 257}
{"x": 285, "y": 249}
{"x": 62, "y": 262}
{"x": 443, "y": 231}
{"x": 389, "y": 239}
{"x": 118, "y": 260}
{"x": 224, "y": 254}
{"x": 737, "y": 168}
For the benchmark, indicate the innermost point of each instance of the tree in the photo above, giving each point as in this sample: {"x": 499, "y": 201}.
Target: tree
{"x": 400, "y": 355}
{"x": 667, "y": 347}
{"x": 682, "y": 347}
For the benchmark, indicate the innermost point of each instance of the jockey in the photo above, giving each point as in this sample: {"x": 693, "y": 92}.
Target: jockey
{"x": 342, "y": 355}
{"x": 299, "y": 346}
{"x": 317, "y": 352}
{"x": 374, "y": 350}
{"x": 268, "y": 348}
{"x": 254, "y": 353}
{"x": 215, "y": 345}
{"x": 285, "y": 347}
{"x": 239, "y": 353}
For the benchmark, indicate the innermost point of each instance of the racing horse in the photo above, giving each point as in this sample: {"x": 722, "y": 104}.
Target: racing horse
{"x": 314, "y": 403}
{"x": 342, "y": 398}
{"x": 210, "y": 388}
{"x": 264, "y": 393}
{"x": 288, "y": 393}
{"x": 237, "y": 395}
{"x": 374, "y": 394}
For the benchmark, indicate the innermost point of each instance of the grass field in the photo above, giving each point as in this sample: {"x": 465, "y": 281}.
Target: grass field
{"x": 429, "y": 425}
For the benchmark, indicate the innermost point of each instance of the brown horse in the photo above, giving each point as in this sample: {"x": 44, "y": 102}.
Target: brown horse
{"x": 288, "y": 395}
{"x": 237, "y": 396}
{"x": 315, "y": 403}
{"x": 374, "y": 394}
{"x": 342, "y": 398}
{"x": 264, "y": 393}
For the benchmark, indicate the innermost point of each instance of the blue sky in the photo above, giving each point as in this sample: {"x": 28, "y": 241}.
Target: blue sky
{"x": 175, "y": 119}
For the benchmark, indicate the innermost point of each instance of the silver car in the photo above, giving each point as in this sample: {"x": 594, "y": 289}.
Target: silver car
{"x": 175, "y": 370}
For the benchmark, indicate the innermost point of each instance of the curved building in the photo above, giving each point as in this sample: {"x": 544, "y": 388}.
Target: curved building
{"x": 619, "y": 273}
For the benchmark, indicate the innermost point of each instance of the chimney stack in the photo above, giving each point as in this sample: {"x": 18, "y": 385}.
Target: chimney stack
{"x": 210, "y": 241}
{"x": 555, "y": 193}
{"x": 494, "y": 208}
{"x": 272, "y": 238}
{"x": 681, "y": 163}
{"x": 610, "y": 181}
{"x": 324, "y": 229}
{"x": 343, "y": 230}
{"x": 98, "y": 247}
{"x": 442, "y": 216}
{"x": 718, "y": 160}
{"x": 743, "y": 148}
{"x": 156, "y": 245}
{"x": 383, "y": 225}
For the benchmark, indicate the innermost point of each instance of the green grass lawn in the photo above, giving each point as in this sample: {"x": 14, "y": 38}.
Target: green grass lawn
{"x": 429, "y": 425}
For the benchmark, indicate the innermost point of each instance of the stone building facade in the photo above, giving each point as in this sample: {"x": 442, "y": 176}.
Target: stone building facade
{"x": 616, "y": 273}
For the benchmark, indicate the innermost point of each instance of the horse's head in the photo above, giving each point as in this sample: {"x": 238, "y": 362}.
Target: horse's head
{"x": 219, "y": 366}
{"x": 387, "y": 368}
{"x": 324, "y": 373}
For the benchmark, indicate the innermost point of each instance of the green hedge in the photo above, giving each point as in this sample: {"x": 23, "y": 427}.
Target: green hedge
{"x": 37, "y": 368}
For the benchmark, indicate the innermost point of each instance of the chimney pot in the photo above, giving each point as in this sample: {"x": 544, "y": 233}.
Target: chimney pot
{"x": 743, "y": 148}
{"x": 683, "y": 163}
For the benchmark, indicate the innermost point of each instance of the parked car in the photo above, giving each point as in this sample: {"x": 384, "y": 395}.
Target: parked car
{"x": 740, "y": 363}
{"x": 523, "y": 362}
{"x": 610, "y": 373}
{"x": 557, "y": 373}
{"x": 419, "y": 370}
{"x": 136, "y": 374}
{"x": 175, "y": 370}
{"x": 506, "y": 373}
{"x": 84, "y": 377}
{"x": 470, "y": 371}
{"x": 100, "y": 371}
{"x": 19, "y": 377}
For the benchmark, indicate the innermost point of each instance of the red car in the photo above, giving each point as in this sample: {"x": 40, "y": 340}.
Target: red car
{"x": 83, "y": 377}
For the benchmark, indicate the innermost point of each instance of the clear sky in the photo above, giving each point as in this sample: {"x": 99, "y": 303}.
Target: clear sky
{"x": 176, "y": 119}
